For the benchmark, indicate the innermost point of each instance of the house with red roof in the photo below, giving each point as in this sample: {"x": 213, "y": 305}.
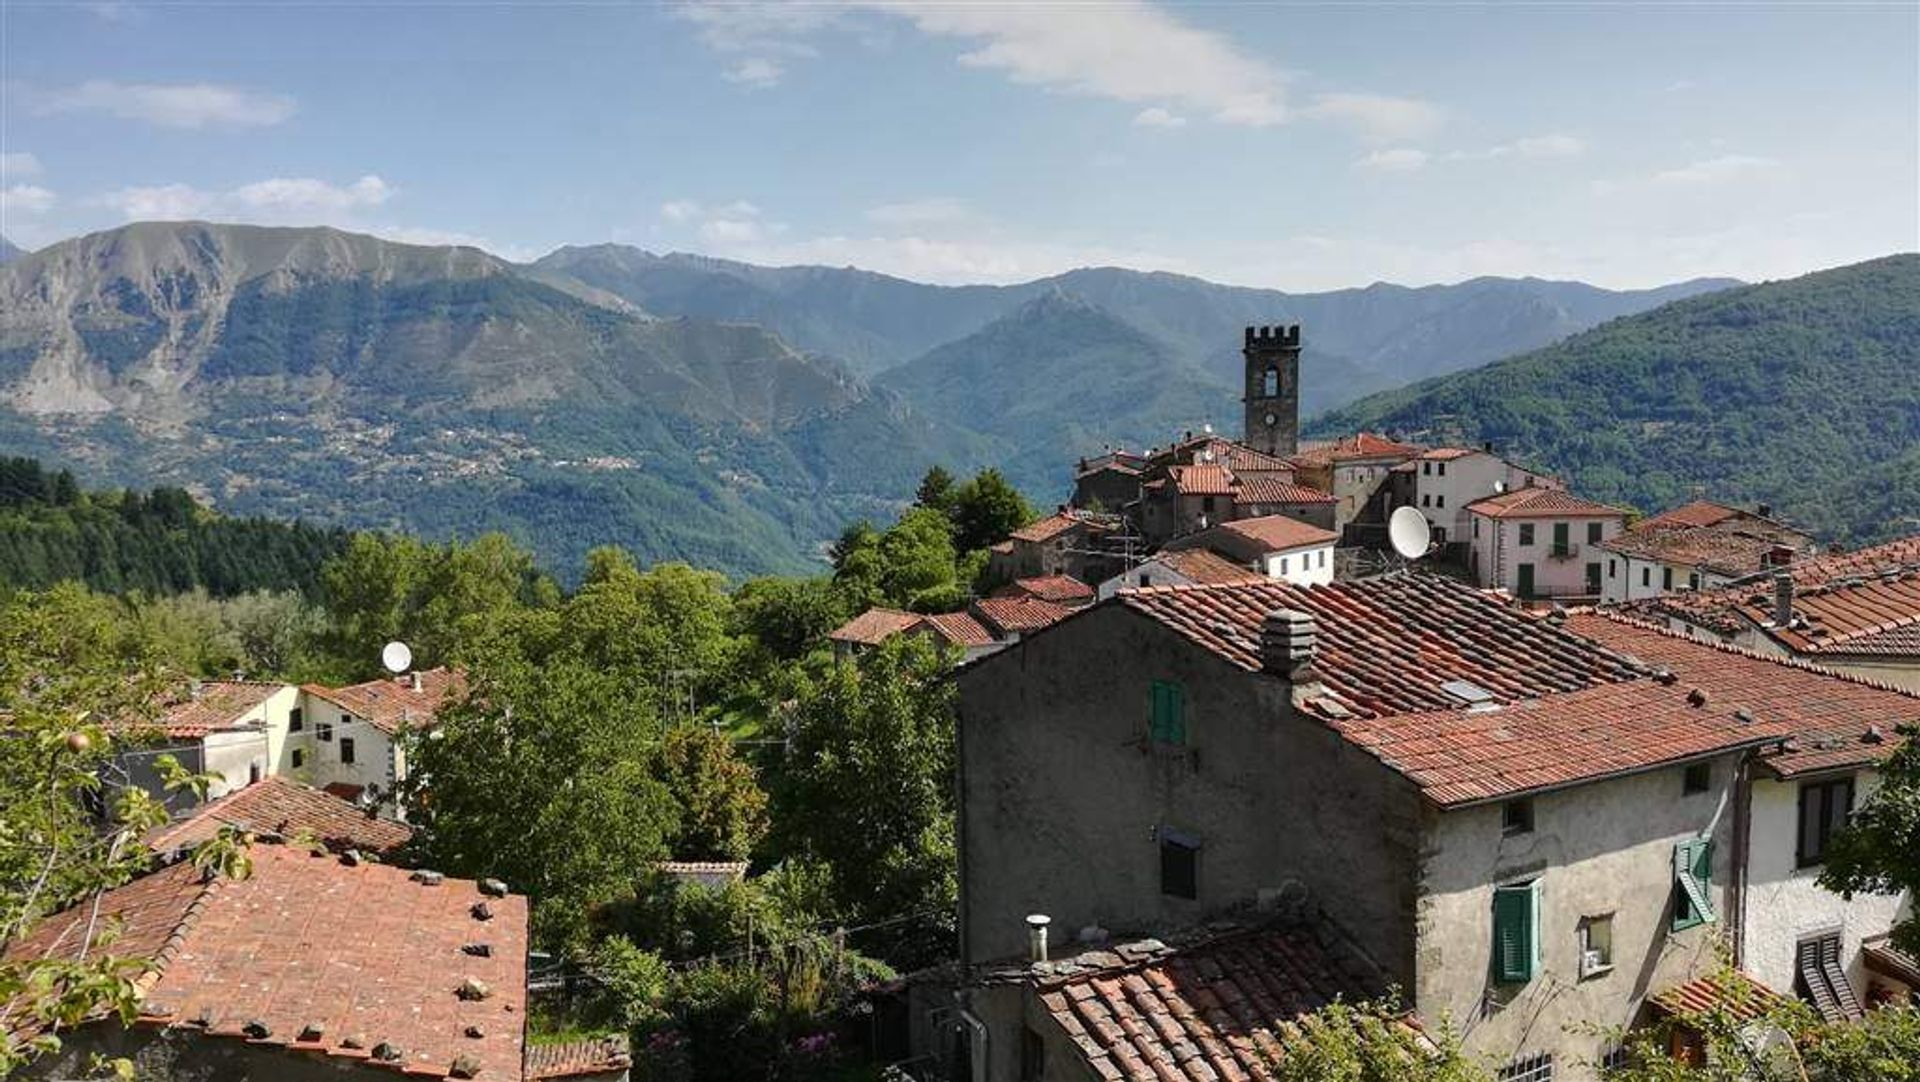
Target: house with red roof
{"x": 1540, "y": 541}
{"x": 1518, "y": 822}
{"x": 1442, "y": 481}
{"x": 1354, "y": 470}
{"x": 1274, "y": 545}
{"x": 876, "y": 625}
{"x": 282, "y": 809}
{"x": 349, "y": 740}
{"x": 233, "y": 728}
{"x": 1699, "y": 546}
{"x": 1180, "y": 567}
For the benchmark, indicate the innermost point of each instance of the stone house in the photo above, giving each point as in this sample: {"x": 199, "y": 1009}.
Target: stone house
{"x": 347, "y": 740}
{"x": 1541, "y": 542}
{"x": 1069, "y": 542}
{"x": 876, "y": 625}
{"x": 234, "y": 728}
{"x": 1521, "y": 827}
{"x": 1354, "y": 470}
{"x": 1856, "y": 612}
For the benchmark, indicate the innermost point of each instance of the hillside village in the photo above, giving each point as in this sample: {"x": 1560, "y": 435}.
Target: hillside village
{"x": 1228, "y": 752}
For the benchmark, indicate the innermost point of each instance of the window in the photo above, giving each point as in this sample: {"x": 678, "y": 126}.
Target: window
{"x": 1666, "y": 578}
{"x": 1612, "y": 567}
{"x": 346, "y": 749}
{"x": 1824, "y": 807}
{"x": 1443, "y": 469}
{"x": 1323, "y": 557}
{"x": 1476, "y": 527}
{"x": 1593, "y": 578}
{"x": 1426, "y": 500}
{"x": 1525, "y": 585}
{"x": 1615, "y": 1058}
{"x": 1516, "y": 817}
{"x": 1516, "y": 942}
{"x": 1693, "y": 882}
{"x": 1179, "y": 865}
{"x": 1206, "y": 504}
{"x": 1440, "y": 500}
{"x": 1562, "y": 540}
{"x": 1596, "y": 945}
{"x": 1693, "y": 580}
{"x": 296, "y": 720}
{"x": 323, "y": 730}
{"x": 1646, "y": 576}
{"x": 1426, "y": 469}
{"x": 1537, "y": 1068}
{"x": 1526, "y": 533}
{"x": 1593, "y": 533}
{"x": 1821, "y": 980}
{"x": 299, "y": 758}
{"x": 1033, "y": 1055}
{"x": 1697, "y": 779}
{"x": 1169, "y": 713}
{"x": 1270, "y": 383}
{"x": 253, "y": 771}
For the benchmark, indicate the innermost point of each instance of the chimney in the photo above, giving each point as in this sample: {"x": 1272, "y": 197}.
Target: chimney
{"x": 195, "y": 689}
{"x": 413, "y": 680}
{"x": 1766, "y": 510}
{"x": 1782, "y": 600}
{"x": 1037, "y": 936}
{"x": 1781, "y": 555}
{"x": 1286, "y": 642}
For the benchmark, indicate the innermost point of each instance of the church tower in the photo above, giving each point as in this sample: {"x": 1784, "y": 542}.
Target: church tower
{"x": 1273, "y": 389}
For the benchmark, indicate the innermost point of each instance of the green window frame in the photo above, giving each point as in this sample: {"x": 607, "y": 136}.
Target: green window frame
{"x": 1516, "y": 932}
{"x": 1693, "y": 882}
{"x": 1169, "y": 724}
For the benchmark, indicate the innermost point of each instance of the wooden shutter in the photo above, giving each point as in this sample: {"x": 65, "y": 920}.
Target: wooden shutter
{"x": 1169, "y": 713}
{"x": 1516, "y": 940}
{"x": 1693, "y": 875}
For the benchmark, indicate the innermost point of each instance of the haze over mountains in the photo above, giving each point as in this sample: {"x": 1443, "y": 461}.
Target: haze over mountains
{"x": 687, "y": 407}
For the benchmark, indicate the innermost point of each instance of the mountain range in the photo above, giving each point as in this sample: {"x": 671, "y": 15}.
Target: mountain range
{"x": 1803, "y": 394}
{"x": 732, "y": 415}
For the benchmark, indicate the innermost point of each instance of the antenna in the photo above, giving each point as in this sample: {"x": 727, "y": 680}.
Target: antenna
{"x": 1409, "y": 532}
{"x": 396, "y": 657}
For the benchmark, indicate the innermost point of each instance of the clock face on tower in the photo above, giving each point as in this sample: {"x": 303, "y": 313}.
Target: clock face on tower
{"x": 1272, "y": 419}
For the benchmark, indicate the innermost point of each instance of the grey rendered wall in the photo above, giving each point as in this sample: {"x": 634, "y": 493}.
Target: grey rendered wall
{"x": 1063, "y": 796}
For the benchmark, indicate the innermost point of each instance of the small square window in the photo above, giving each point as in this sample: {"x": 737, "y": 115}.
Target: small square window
{"x": 1526, "y": 533}
{"x": 1615, "y": 1058}
{"x": 1593, "y": 533}
{"x": 323, "y": 730}
{"x": 296, "y": 720}
{"x": 1516, "y": 817}
{"x": 299, "y": 758}
{"x": 346, "y": 749}
{"x": 1596, "y": 945}
{"x": 1440, "y": 500}
{"x": 1697, "y": 779}
{"x": 1537, "y": 1068}
{"x": 1179, "y": 866}
{"x": 1426, "y": 500}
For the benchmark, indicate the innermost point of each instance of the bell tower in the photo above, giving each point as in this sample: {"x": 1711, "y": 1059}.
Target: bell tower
{"x": 1273, "y": 389}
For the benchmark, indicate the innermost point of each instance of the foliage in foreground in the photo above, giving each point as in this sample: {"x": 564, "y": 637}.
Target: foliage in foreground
{"x": 1879, "y": 851}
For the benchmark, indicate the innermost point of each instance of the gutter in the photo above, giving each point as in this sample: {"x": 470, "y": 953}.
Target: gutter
{"x": 1746, "y": 746}
{"x": 1742, "y": 848}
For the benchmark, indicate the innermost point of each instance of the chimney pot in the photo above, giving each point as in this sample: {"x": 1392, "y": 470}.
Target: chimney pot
{"x": 1037, "y": 936}
{"x": 1287, "y": 640}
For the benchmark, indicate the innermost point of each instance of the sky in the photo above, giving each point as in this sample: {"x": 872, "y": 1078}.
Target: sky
{"x": 1298, "y": 146}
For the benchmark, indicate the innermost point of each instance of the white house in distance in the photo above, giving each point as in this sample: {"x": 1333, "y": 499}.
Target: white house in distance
{"x": 1699, "y": 546}
{"x": 1795, "y": 936}
{"x": 1447, "y": 479}
{"x": 1277, "y": 546}
{"x": 1536, "y": 541}
{"x": 1180, "y": 567}
{"x": 233, "y": 728}
{"x": 347, "y": 740}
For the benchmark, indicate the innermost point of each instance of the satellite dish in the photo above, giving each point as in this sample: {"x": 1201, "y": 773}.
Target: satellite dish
{"x": 1408, "y": 531}
{"x": 397, "y": 658}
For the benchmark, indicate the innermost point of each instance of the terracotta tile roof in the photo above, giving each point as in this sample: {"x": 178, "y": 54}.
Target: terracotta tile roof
{"x": 1539, "y": 501}
{"x": 217, "y": 706}
{"x": 1835, "y": 720}
{"x": 1207, "y": 479}
{"x": 1048, "y": 528}
{"x": 1739, "y": 606}
{"x": 568, "y": 1059}
{"x": 1015, "y": 615}
{"x": 228, "y": 953}
{"x": 713, "y": 874}
{"x": 874, "y": 626}
{"x": 1278, "y": 533}
{"x": 1695, "y": 514}
{"x": 1387, "y": 644}
{"x": 1869, "y": 616}
{"x": 1463, "y": 756}
{"x": 1447, "y": 454}
{"x": 961, "y": 629}
{"x": 1893, "y": 555}
{"x": 1207, "y": 1012}
{"x": 1207, "y": 568}
{"x": 283, "y": 808}
{"x": 1746, "y": 998}
{"x": 1719, "y": 550}
{"x": 1064, "y": 589}
{"x": 1880, "y": 956}
{"x": 391, "y": 703}
{"x": 1273, "y": 490}
{"x": 1357, "y": 446}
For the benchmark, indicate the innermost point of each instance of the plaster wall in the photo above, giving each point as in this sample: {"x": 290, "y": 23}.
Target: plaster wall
{"x": 236, "y": 756}
{"x": 1302, "y": 567}
{"x": 374, "y": 756}
{"x": 1597, "y": 849}
{"x": 1064, "y": 798}
{"x": 1442, "y": 490}
{"x": 1784, "y": 903}
{"x": 1498, "y": 553}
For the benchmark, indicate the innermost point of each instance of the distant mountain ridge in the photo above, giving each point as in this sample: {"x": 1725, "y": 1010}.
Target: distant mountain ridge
{"x": 1804, "y": 394}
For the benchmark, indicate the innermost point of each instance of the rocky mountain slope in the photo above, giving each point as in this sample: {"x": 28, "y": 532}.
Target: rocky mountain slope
{"x": 1802, "y": 393}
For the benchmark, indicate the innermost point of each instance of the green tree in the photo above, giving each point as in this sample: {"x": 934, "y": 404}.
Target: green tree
{"x": 670, "y": 627}
{"x": 1369, "y": 1042}
{"x": 545, "y": 776}
{"x": 867, "y": 790}
{"x": 722, "y": 809}
{"x": 985, "y": 510}
{"x": 936, "y": 490}
{"x": 369, "y": 592}
{"x": 786, "y": 618}
{"x": 1879, "y": 851}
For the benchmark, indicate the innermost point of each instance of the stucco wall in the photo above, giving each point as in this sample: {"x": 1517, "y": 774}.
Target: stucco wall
{"x": 1063, "y": 796}
{"x": 1498, "y": 554}
{"x": 1785, "y": 905}
{"x": 235, "y": 756}
{"x": 1302, "y": 567}
{"x": 1601, "y": 848}
{"x": 373, "y": 759}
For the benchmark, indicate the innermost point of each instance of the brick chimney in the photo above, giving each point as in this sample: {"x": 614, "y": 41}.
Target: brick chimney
{"x": 1287, "y": 643}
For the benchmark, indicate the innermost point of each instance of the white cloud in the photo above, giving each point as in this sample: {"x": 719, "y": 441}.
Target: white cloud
{"x": 932, "y": 211}
{"x": 181, "y": 105}
{"x": 1157, "y": 117}
{"x": 730, "y": 230}
{"x": 1727, "y": 167}
{"x": 757, "y": 72}
{"x": 679, "y": 210}
{"x": 19, "y": 163}
{"x": 275, "y": 201}
{"x": 739, "y": 208}
{"x": 1397, "y": 160}
{"x": 25, "y": 199}
{"x": 1542, "y": 146}
{"x": 1377, "y": 116}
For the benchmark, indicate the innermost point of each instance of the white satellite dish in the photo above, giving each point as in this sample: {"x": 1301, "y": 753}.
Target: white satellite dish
{"x": 397, "y": 657}
{"x": 1409, "y": 532}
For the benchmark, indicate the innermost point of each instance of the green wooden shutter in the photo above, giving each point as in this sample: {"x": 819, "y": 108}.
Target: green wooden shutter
{"x": 1169, "y": 713}
{"x": 1693, "y": 875}
{"x": 1516, "y": 939}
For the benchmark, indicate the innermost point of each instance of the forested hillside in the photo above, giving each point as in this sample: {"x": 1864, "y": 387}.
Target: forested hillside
{"x": 1803, "y": 393}
{"x": 159, "y": 542}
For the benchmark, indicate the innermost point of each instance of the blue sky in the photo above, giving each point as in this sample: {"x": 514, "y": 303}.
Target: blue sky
{"x": 1298, "y": 146}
